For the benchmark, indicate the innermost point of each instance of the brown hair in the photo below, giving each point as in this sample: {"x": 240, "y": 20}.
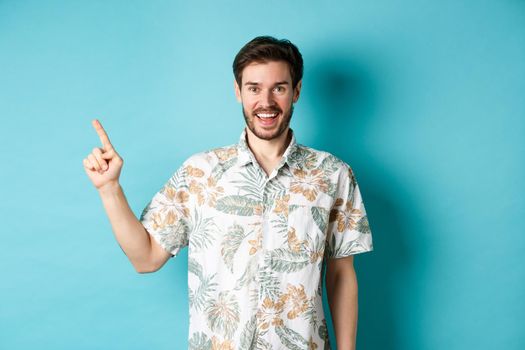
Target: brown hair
{"x": 267, "y": 48}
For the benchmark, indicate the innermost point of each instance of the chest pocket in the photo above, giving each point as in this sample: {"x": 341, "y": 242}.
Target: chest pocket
{"x": 308, "y": 220}
{"x": 306, "y": 234}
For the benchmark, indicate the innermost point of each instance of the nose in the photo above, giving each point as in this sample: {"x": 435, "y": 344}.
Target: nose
{"x": 267, "y": 99}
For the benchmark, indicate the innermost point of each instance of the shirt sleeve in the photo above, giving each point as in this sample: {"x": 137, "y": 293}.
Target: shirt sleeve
{"x": 167, "y": 216}
{"x": 348, "y": 228}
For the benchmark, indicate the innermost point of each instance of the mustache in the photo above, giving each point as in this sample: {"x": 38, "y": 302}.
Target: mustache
{"x": 267, "y": 110}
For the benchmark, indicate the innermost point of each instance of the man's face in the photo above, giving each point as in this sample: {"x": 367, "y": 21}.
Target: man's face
{"x": 267, "y": 98}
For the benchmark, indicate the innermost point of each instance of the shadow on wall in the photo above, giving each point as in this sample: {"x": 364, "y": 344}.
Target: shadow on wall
{"x": 344, "y": 97}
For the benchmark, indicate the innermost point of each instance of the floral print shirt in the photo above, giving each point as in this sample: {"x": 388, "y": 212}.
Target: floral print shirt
{"x": 257, "y": 244}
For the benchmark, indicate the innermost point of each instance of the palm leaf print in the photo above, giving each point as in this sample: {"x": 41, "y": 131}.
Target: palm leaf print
{"x": 231, "y": 243}
{"x": 320, "y": 216}
{"x": 248, "y": 335}
{"x": 222, "y": 167}
{"x": 274, "y": 189}
{"x": 284, "y": 260}
{"x": 311, "y": 314}
{"x": 263, "y": 344}
{"x": 176, "y": 239}
{"x": 277, "y": 188}
{"x": 292, "y": 207}
{"x": 330, "y": 164}
{"x": 323, "y": 330}
{"x": 202, "y": 234}
{"x": 269, "y": 284}
{"x": 363, "y": 225}
{"x": 237, "y": 205}
{"x": 194, "y": 267}
{"x": 252, "y": 183}
{"x": 223, "y": 314}
{"x": 248, "y": 275}
{"x": 316, "y": 249}
{"x": 348, "y": 248}
{"x": 199, "y": 341}
{"x": 280, "y": 225}
{"x": 204, "y": 292}
{"x": 177, "y": 181}
{"x": 331, "y": 248}
{"x": 291, "y": 339}
{"x": 207, "y": 286}
{"x": 332, "y": 189}
{"x": 304, "y": 157}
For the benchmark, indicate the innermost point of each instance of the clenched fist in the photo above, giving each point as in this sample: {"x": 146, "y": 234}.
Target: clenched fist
{"x": 103, "y": 165}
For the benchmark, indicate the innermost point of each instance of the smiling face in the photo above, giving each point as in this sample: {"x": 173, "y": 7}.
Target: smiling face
{"x": 267, "y": 98}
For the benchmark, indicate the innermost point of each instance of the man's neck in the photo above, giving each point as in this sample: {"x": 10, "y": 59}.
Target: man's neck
{"x": 268, "y": 151}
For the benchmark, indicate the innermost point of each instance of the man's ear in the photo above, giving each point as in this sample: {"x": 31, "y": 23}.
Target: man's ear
{"x": 297, "y": 90}
{"x": 237, "y": 90}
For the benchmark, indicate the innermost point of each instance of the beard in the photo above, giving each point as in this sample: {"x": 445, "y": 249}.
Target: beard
{"x": 263, "y": 134}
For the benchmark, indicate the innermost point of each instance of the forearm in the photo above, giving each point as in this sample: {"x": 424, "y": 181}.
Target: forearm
{"x": 342, "y": 297}
{"x": 128, "y": 230}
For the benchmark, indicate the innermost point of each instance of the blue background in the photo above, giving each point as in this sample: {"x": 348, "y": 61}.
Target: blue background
{"x": 425, "y": 100}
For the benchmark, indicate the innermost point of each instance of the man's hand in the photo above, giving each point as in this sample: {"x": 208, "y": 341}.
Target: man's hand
{"x": 103, "y": 165}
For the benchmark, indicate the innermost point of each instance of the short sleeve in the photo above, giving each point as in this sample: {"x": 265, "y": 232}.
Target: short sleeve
{"x": 348, "y": 228}
{"x": 167, "y": 217}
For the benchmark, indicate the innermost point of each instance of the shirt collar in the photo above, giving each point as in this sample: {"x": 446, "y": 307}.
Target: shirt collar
{"x": 245, "y": 155}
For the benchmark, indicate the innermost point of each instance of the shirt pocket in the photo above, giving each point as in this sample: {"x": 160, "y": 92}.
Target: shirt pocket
{"x": 308, "y": 223}
{"x": 306, "y": 236}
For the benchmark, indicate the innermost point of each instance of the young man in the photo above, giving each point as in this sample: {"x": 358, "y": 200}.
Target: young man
{"x": 261, "y": 218}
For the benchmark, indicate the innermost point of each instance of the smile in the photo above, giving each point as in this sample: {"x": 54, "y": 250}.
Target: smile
{"x": 267, "y": 119}
{"x": 266, "y": 115}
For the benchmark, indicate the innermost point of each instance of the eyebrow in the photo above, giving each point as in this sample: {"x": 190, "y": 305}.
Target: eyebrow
{"x": 284, "y": 82}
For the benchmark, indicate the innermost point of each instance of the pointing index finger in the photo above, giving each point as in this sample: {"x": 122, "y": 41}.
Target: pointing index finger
{"x": 102, "y": 134}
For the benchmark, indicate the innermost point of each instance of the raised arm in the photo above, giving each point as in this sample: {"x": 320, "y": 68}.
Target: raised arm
{"x": 103, "y": 166}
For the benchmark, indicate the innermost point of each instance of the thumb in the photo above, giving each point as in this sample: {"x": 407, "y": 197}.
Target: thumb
{"x": 109, "y": 154}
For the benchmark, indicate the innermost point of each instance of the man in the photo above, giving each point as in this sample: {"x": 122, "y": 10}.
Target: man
{"x": 261, "y": 218}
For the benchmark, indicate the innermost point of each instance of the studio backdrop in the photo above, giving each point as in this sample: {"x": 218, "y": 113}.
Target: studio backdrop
{"x": 424, "y": 99}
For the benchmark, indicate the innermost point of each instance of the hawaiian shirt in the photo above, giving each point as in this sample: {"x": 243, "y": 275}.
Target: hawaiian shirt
{"x": 258, "y": 244}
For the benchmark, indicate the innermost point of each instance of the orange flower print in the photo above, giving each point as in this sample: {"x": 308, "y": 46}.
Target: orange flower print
{"x": 346, "y": 217}
{"x": 294, "y": 243}
{"x": 197, "y": 189}
{"x": 206, "y": 193}
{"x": 161, "y": 222}
{"x": 270, "y": 312}
{"x": 172, "y": 206}
{"x": 281, "y": 205}
{"x": 315, "y": 255}
{"x": 175, "y": 202}
{"x": 213, "y": 191}
{"x": 310, "y": 160}
{"x": 258, "y": 209}
{"x": 311, "y": 344}
{"x": 306, "y": 158}
{"x": 309, "y": 183}
{"x": 194, "y": 172}
{"x": 256, "y": 243}
{"x": 226, "y": 153}
{"x": 297, "y": 298}
{"x": 216, "y": 344}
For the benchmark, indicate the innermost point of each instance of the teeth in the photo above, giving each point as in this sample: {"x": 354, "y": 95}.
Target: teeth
{"x": 267, "y": 115}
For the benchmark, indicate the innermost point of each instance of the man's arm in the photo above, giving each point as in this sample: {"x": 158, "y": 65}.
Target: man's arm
{"x": 341, "y": 287}
{"x": 144, "y": 253}
{"x": 103, "y": 167}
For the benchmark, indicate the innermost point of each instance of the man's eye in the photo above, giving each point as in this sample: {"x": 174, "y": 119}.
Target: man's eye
{"x": 279, "y": 89}
{"x": 252, "y": 89}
